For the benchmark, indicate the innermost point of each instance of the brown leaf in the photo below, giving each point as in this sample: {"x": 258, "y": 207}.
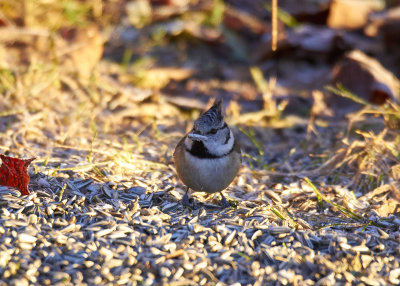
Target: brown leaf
{"x": 388, "y": 207}
{"x": 14, "y": 173}
{"x": 160, "y": 77}
{"x": 345, "y": 14}
{"x": 396, "y": 172}
{"x": 80, "y": 48}
{"x": 366, "y": 78}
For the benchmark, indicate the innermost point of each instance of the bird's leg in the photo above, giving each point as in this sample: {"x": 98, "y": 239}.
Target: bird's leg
{"x": 224, "y": 203}
{"x": 185, "y": 199}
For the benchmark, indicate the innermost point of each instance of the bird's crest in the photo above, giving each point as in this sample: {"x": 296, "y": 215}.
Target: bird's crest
{"x": 212, "y": 118}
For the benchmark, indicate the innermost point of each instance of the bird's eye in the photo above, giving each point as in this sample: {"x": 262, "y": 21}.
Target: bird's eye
{"x": 213, "y": 131}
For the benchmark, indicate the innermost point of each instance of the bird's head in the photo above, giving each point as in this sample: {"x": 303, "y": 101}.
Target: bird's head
{"x": 211, "y": 129}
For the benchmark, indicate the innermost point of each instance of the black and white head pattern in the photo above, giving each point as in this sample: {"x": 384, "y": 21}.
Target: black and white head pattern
{"x": 220, "y": 138}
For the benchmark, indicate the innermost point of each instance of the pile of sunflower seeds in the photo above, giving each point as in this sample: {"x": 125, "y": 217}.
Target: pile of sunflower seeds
{"x": 82, "y": 232}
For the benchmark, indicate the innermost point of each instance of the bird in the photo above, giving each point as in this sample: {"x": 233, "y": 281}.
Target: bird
{"x": 208, "y": 158}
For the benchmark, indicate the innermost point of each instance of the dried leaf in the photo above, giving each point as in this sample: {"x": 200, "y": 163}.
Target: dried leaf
{"x": 139, "y": 13}
{"x": 160, "y": 77}
{"x": 365, "y": 77}
{"x": 14, "y": 173}
{"x": 350, "y": 14}
{"x": 80, "y": 49}
{"x": 390, "y": 206}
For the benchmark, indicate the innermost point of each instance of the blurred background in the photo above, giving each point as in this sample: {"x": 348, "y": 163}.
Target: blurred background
{"x": 193, "y": 50}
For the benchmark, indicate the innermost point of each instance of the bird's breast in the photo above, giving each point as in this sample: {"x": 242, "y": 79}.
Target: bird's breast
{"x": 207, "y": 174}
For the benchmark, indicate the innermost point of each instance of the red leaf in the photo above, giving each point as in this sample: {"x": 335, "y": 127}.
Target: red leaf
{"x": 14, "y": 173}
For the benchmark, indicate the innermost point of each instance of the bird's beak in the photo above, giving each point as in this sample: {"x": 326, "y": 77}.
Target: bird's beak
{"x": 197, "y": 137}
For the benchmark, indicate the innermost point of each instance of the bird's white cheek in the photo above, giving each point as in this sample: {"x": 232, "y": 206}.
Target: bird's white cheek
{"x": 188, "y": 143}
{"x": 218, "y": 149}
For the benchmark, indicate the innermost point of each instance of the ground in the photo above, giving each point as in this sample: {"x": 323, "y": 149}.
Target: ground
{"x": 100, "y": 92}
